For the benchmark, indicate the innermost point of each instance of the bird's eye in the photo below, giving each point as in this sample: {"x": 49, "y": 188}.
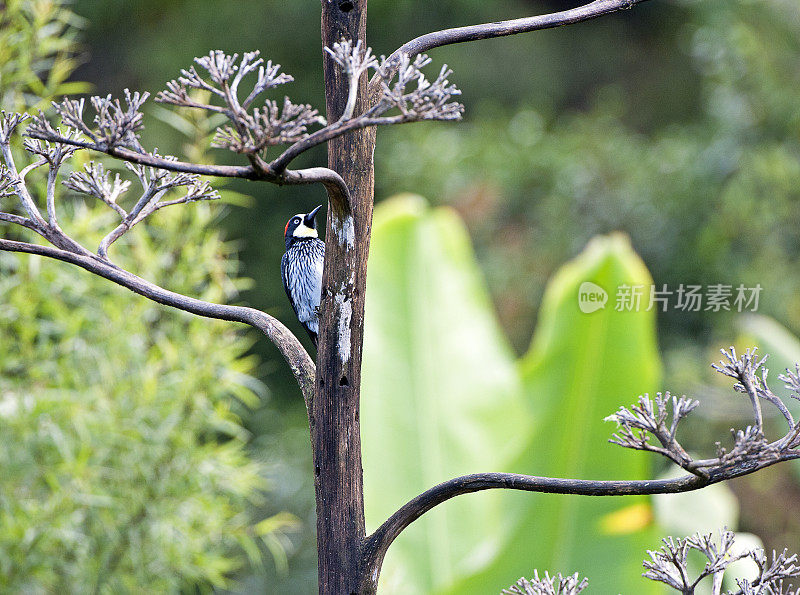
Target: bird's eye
{"x": 297, "y": 219}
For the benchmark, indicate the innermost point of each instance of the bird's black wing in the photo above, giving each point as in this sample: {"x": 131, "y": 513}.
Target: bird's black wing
{"x": 285, "y": 279}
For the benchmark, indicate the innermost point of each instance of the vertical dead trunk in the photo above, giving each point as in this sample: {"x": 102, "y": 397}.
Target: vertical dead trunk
{"x": 335, "y": 428}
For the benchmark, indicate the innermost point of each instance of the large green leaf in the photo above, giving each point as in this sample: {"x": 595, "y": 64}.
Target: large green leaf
{"x": 441, "y": 395}
{"x": 580, "y": 368}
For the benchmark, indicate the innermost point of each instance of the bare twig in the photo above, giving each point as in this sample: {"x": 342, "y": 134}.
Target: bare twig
{"x": 592, "y": 10}
{"x": 743, "y": 370}
{"x": 97, "y": 182}
{"x": 16, "y": 219}
{"x": 10, "y": 174}
{"x": 354, "y": 60}
{"x": 54, "y": 154}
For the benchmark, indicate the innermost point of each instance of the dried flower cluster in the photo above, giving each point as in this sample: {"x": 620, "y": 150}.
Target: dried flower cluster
{"x": 156, "y": 183}
{"x": 669, "y": 565}
{"x": 415, "y": 96}
{"x": 248, "y": 131}
{"x": 94, "y": 180}
{"x": 253, "y": 126}
{"x": 256, "y": 125}
{"x": 114, "y": 125}
{"x": 403, "y": 85}
{"x": 549, "y": 585}
{"x": 651, "y": 418}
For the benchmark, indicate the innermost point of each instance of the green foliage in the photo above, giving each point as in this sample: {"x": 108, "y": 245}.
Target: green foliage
{"x": 38, "y": 52}
{"x": 580, "y": 368}
{"x": 124, "y": 463}
{"x": 709, "y": 198}
{"x": 442, "y": 397}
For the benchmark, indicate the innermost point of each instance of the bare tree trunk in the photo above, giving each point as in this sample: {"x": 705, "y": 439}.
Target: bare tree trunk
{"x": 335, "y": 431}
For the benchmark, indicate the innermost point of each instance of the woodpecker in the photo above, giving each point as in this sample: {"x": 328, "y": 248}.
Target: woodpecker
{"x": 301, "y": 269}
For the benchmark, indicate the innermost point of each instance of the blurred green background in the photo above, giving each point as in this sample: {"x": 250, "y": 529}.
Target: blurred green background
{"x": 676, "y": 123}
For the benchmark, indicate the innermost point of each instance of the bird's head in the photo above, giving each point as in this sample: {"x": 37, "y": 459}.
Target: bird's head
{"x": 302, "y": 225}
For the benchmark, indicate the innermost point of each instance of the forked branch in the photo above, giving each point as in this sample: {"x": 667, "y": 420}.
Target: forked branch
{"x": 96, "y": 181}
{"x": 254, "y": 129}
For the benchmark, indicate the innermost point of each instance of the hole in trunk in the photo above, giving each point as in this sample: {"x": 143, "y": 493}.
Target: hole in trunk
{"x": 343, "y": 381}
{"x": 345, "y": 6}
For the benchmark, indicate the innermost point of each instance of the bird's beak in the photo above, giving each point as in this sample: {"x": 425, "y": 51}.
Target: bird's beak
{"x": 309, "y": 219}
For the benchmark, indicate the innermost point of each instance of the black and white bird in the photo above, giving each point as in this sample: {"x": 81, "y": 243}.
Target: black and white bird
{"x": 301, "y": 269}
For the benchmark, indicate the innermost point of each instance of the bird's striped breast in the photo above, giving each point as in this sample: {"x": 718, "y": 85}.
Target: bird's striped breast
{"x": 301, "y": 268}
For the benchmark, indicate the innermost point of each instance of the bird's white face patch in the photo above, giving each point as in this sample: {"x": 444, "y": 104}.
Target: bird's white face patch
{"x": 304, "y": 231}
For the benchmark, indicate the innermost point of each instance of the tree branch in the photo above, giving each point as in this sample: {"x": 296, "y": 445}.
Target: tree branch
{"x": 649, "y": 417}
{"x": 437, "y": 39}
{"x": 335, "y": 130}
{"x": 376, "y": 545}
{"x": 116, "y": 125}
{"x": 298, "y": 359}
{"x": 333, "y": 182}
{"x": 23, "y": 221}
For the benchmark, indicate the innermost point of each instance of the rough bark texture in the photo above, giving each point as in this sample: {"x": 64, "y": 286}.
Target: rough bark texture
{"x": 335, "y": 431}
